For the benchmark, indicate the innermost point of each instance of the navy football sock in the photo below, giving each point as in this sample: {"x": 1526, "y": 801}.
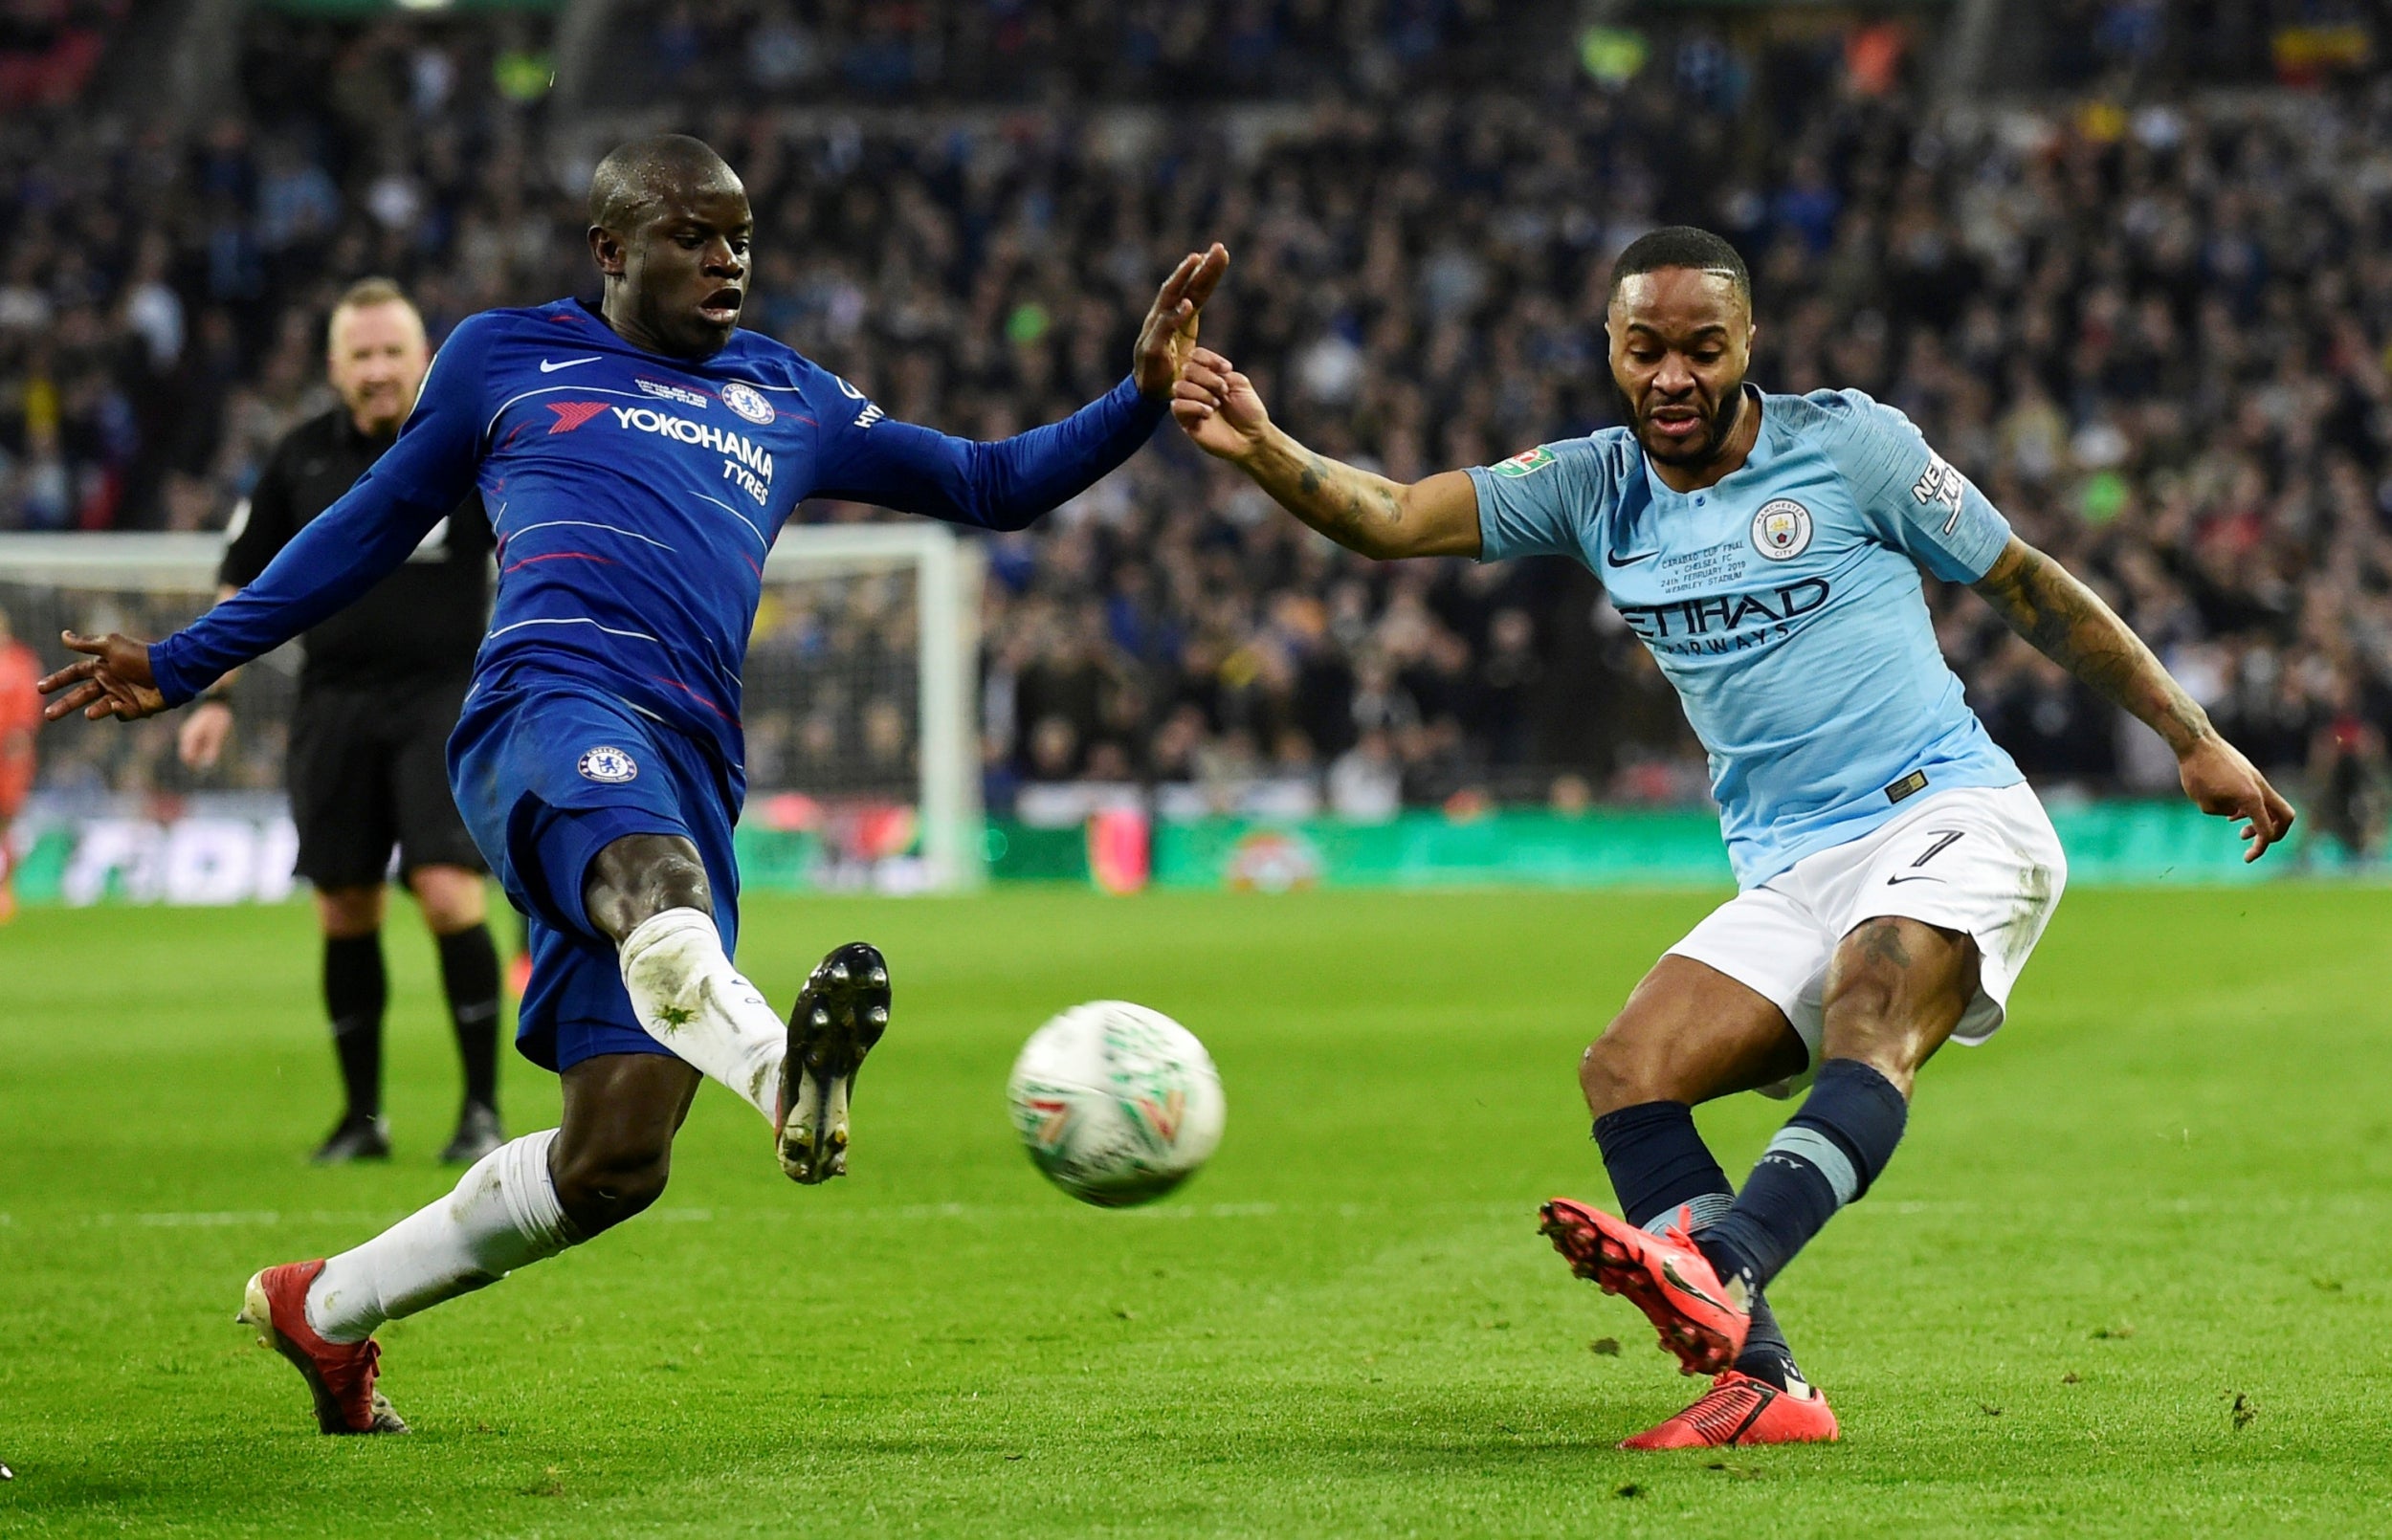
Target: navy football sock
{"x": 1825, "y": 1157}
{"x": 1658, "y": 1163}
{"x": 468, "y": 973}
{"x": 1766, "y": 1354}
{"x": 355, "y": 992}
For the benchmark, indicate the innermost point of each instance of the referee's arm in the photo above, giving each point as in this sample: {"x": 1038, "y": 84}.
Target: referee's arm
{"x": 262, "y": 526}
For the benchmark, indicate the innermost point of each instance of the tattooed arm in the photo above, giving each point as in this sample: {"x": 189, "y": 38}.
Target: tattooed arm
{"x": 2068, "y": 624}
{"x": 1360, "y": 511}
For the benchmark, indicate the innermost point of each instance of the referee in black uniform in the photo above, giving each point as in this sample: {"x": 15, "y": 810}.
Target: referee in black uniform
{"x": 379, "y": 693}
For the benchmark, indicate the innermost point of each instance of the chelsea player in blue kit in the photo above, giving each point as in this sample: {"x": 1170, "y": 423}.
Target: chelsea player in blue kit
{"x": 636, "y": 458}
{"x": 1895, "y": 871}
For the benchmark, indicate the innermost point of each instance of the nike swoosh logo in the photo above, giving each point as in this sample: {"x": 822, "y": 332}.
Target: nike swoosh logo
{"x": 1669, "y": 1271}
{"x": 551, "y": 366}
{"x": 1629, "y": 560}
{"x": 1891, "y": 881}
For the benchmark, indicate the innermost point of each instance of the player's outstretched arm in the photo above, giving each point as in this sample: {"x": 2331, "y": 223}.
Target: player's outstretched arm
{"x": 1361, "y": 511}
{"x": 341, "y": 553}
{"x": 1008, "y": 484}
{"x": 2068, "y": 624}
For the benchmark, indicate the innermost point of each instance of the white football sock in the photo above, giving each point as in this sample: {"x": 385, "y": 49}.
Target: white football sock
{"x": 690, "y": 998}
{"x": 502, "y": 1215}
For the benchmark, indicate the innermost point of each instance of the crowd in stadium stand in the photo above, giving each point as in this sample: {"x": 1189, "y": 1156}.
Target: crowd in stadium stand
{"x": 1039, "y": 50}
{"x": 2156, "y": 336}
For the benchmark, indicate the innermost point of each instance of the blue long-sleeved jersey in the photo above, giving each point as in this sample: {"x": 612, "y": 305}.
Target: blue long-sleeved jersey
{"x": 635, "y": 497}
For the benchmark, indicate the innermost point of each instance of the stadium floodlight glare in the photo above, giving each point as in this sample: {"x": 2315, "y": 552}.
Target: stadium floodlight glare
{"x": 861, "y": 698}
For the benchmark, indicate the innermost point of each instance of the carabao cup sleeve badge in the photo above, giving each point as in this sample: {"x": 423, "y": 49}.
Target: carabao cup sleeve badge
{"x": 1527, "y": 462}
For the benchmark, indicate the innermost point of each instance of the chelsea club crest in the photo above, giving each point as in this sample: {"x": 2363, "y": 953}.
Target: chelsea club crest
{"x": 1781, "y": 529}
{"x": 747, "y": 401}
{"x": 609, "y": 765}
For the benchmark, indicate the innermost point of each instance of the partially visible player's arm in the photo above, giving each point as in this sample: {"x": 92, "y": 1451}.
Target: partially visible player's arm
{"x": 1005, "y": 485}
{"x": 2068, "y": 624}
{"x": 341, "y": 553}
{"x": 1361, "y": 510}
{"x": 1008, "y": 484}
{"x": 1921, "y": 505}
{"x": 262, "y": 526}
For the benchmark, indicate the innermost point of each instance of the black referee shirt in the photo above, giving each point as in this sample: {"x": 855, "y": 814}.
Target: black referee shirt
{"x": 418, "y": 626}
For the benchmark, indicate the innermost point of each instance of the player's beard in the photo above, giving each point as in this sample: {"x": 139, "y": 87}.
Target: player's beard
{"x": 1718, "y": 427}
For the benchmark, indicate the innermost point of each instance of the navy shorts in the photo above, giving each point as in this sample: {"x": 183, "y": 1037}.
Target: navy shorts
{"x": 547, "y": 772}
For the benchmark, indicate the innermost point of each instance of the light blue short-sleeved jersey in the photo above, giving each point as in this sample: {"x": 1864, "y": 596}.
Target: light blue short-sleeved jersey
{"x": 1784, "y": 604}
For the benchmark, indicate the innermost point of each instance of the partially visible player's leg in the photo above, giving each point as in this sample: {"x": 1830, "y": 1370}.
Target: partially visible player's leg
{"x": 456, "y": 909}
{"x": 614, "y": 1149}
{"x": 526, "y": 1201}
{"x": 1713, "y": 1017}
{"x": 340, "y": 774}
{"x": 444, "y": 868}
{"x": 1688, "y": 1033}
{"x": 1691, "y": 1032}
{"x": 650, "y": 894}
{"x": 1935, "y": 914}
{"x": 529, "y": 1198}
{"x": 357, "y": 992}
{"x": 1895, "y": 990}
{"x": 16, "y": 784}
{"x": 615, "y": 835}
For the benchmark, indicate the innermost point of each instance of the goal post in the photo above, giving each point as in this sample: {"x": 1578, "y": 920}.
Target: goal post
{"x": 946, "y": 574}
{"x": 861, "y": 700}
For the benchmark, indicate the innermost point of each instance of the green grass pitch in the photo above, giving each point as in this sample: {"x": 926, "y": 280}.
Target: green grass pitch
{"x": 2129, "y": 1274}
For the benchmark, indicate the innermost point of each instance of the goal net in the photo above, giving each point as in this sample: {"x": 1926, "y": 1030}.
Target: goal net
{"x": 860, "y": 715}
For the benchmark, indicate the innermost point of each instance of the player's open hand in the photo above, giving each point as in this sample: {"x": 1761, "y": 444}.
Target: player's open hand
{"x": 1218, "y": 407}
{"x": 1168, "y": 337}
{"x": 2220, "y": 781}
{"x": 114, "y": 681}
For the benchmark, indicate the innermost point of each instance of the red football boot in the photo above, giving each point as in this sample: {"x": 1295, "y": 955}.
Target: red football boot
{"x": 340, "y": 1375}
{"x": 1666, "y": 1276}
{"x": 1741, "y": 1410}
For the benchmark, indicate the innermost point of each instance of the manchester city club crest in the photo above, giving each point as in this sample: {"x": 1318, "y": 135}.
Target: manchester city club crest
{"x": 610, "y": 765}
{"x": 747, "y": 401}
{"x": 1781, "y": 529}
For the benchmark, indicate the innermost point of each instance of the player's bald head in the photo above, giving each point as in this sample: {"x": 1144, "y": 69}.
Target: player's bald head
{"x": 668, "y": 228}
{"x": 641, "y": 174}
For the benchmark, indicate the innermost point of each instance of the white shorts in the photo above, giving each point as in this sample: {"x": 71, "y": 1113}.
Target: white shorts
{"x": 1981, "y": 860}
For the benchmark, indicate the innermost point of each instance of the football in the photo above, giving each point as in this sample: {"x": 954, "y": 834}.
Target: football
{"x": 1116, "y": 1103}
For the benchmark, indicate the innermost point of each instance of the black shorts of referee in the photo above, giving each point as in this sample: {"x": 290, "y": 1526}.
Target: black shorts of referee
{"x": 368, "y": 774}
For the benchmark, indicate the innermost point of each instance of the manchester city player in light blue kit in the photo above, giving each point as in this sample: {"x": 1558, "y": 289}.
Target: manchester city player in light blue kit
{"x": 1895, "y": 870}
{"x": 636, "y": 458}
